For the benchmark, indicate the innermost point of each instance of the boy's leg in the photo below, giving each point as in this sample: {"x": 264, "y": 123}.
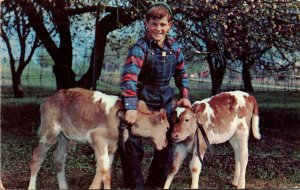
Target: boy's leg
{"x": 160, "y": 166}
{"x": 131, "y": 163}
{"x": 162, "y": 160}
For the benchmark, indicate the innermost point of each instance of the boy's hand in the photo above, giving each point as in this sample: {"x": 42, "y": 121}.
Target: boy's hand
{"x": 130, "y": 116}
{"x": 184, "y": 102}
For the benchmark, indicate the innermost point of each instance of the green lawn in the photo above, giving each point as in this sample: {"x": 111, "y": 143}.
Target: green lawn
{"x": 273, "y": 161}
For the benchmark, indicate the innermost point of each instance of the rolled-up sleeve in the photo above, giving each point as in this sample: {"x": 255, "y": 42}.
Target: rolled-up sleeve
{"x": 181, "y": 76}
{"x": 131, "y": 70}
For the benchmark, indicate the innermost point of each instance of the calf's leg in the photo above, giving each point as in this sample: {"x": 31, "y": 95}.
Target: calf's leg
{"x": 48, "y": 137}
{"x": 103, "y": 174}
{"x": 234, "y": 144}
{"x": 37, "y": 159}
{"x": 60, "y": 155}
{"x": 179, "y": 155}
{"x": 241, "y": 139}
{"x": 107, "y": 176}
{"x": 243, "y": 152}
{"x": 196, "y": 166}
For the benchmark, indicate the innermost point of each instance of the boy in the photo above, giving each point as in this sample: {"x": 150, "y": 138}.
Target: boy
{"x": 149, "y": 67}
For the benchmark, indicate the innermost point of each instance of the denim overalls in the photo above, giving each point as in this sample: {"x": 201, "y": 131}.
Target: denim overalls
{"x": 153, "y": 87}
{"x": 155, "y": 76}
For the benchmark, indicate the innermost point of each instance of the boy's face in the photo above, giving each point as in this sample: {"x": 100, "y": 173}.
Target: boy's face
{"x": 158, "y": 28}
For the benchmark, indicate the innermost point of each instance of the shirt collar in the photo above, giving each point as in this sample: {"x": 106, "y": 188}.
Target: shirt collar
{"x": 168, "y": 41}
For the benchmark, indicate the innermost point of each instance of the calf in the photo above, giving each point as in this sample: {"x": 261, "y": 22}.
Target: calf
{"x": 224, "y": 117}
{"x": 86, "y": 116}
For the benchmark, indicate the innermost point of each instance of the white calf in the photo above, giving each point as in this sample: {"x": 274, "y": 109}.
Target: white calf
{"x": 86, "y": 116}
{"x": 224, "y": 117}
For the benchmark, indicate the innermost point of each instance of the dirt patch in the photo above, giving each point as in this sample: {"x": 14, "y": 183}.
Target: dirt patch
{"x": 273, "y": 161}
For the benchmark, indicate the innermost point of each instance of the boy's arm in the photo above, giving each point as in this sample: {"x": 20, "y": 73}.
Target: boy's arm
{"x": 181, "y": 76}
{"x": 129, "y": 77}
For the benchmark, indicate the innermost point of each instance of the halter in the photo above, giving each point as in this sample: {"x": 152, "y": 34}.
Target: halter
{"x": 209, "y": 147}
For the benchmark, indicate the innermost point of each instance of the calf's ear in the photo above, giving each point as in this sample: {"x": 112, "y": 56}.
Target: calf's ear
{"x": 194, "y": 108}
{"x": 143, "y": 107}
{"x": 120, "y": 113}
{"x": 174, "y": 117}
{"x": 175, "y": 103}
{"x": 197, "y": 108}
{"x": 163, "y": 114}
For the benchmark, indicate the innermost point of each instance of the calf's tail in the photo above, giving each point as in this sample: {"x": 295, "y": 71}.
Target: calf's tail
{"x": 255, "y": 120}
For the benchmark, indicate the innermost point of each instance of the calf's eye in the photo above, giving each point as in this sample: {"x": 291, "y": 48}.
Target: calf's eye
{"x": 186, "y": 120}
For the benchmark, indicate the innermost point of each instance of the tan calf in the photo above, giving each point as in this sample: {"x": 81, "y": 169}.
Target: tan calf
{"x": 224, "y": 117}
{"x": 86, "y": 116}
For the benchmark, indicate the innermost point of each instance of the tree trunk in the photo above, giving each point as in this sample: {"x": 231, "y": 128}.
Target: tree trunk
{"x": 217, "y": 70}
{"x": 65, "y": 77}
{"x": 16, "y": 76}
{"x": 17, "y": 86}
{"x": 16, "y": 80}
{"x": 103, "y": 27}
{"x": 62, "y": 55}
{"x": 216, "y": 82}
{"x": 247, "y": 78}
{"x": 89, "y": 79}
{"x": 96, "y": 62}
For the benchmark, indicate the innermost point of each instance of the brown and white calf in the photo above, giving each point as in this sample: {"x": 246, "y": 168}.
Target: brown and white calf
{"x": 86, "y": 116}
{"x": 226, "y": 116}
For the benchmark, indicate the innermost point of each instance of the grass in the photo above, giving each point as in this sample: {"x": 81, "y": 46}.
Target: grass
{"x": 269, "y": 164}
{"x": 273, "y": 162}
{"x": 280, "y": 100}
{"x": 39, "y": 82}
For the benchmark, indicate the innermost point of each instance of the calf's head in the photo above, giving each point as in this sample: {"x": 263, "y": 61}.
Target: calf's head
{"x": 185, "y": 125}
{"x": 152, "y": 124}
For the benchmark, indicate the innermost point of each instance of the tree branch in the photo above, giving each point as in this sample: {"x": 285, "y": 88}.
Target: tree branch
{"x": 37, "y": 23}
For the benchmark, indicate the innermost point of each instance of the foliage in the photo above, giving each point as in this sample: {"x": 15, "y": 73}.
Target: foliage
{"x": 15, "y": 26}
{"x": 227, "y": 33}
{"x": 237, "y": 27}
{"x": 239, "y": 31}
{"x": 60, "y": 26}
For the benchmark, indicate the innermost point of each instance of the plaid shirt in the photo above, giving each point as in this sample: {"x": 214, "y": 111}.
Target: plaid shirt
{"x": 134, "y": 62}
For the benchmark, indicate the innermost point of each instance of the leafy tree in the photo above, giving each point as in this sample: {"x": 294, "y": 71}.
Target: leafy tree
{"x": 225, "y": 31}
{"x": 107, "y": 18}
{"x": 239, "y": 31}
{"x": 199, "y": 29}
{"x": 262, "y": 27}
{"x": 15, "y": 28}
